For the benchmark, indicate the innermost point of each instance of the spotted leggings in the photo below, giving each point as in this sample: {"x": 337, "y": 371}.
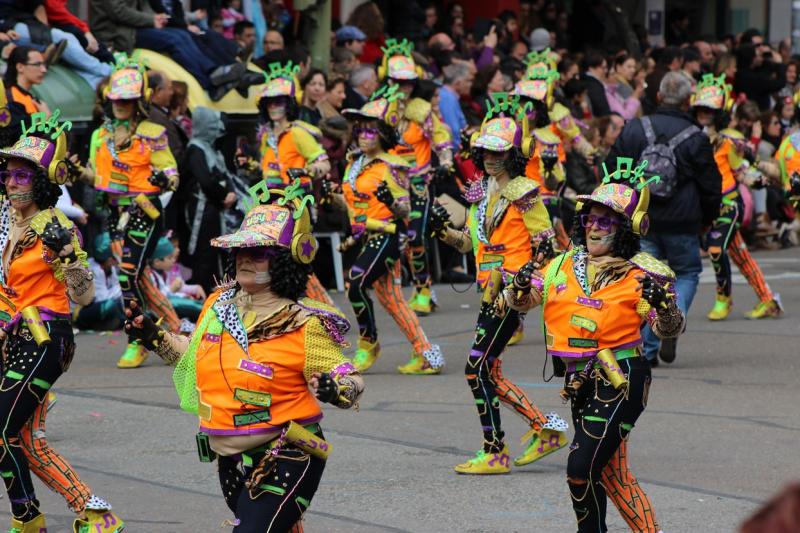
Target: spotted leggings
{"x": 377, "y": 267}
{"x": 277, "y": 504}
{"x": 597, "y": 467}
{"x": 488, "y": 384}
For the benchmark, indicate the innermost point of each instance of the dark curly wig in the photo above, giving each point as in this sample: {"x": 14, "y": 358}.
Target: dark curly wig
{"x": 542, "y": 117}
{"x": 515, "y": 164}
{"x": 45, "y": 192}
{"x": 292, "y": 109}
{"x": 626, "y": 242}
{"x": 288, "y": 278}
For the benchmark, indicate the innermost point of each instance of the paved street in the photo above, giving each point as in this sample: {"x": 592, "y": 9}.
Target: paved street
{"x": 719, "y": 436}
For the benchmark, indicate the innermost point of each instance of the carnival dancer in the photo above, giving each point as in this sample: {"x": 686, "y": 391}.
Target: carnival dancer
{"x": 506, "y": 216}
{"x": 595, "y": 298}
{"x": 43, "y": 267}
{"x": 375, "y": 194}
{"x": 422, "y": 135}
{"x": 257, "y": 365}
{"x": 711, "y": 103}
{"x": 287, "y": 143}
{"x": 131, "y": 165}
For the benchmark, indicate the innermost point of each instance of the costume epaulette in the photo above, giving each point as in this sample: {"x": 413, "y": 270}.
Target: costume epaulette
{"x": 308, "y": 128}
{"x": 334, "y": 322}
{"x": 394, "y": 161}
{"x": 653, "y": 266}
{"x": 546, "y": 136}
{"x": 520, "y": 189}
{"x": 732, "y": 134}
{"x": 558, "y": 112}
{"x": 42, "y": 218}
{"x": 155, "y": 135}
{"x": 418, "y": 110}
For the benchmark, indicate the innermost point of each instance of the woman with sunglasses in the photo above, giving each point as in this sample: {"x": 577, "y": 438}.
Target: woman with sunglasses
{"x": 43, "y": 268}
{"x": 131, "y": 167}
{"x": 375, "y": 194}
{"x": 257, "y": 366}
{"x": 506, "y": 217}
{"x": 595, "y": 299}
{"x": 288, "y": 143}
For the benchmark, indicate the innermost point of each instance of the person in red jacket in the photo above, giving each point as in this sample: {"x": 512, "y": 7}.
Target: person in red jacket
{"x": 59, "y": 16}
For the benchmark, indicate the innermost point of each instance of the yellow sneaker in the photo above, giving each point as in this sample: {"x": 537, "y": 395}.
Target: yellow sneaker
{"x": 135, "y": 354}
{"x": 771, "y": 309}
{"x": 37, "y": 525}
{"x": 485, "y": 463}
{"x": 550, "y": 439}
{"x": 721, "y": 309}
{"x": 98, "y": 522}
{"x": 517, "y": 336}
{"x": 366, "y": 354}
{"x": 51, "y": 400}
{"x": 420, "y": 303}
{"x": 430, "y": 362}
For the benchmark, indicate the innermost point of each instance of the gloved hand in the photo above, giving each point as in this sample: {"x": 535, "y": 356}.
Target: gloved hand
{"x": 439, "y": 217}
{"x": 59, "y": 240}
{"x": 384, "y": 195}
{"x": 655, "y": 293}
{"x": 442, "y": 174}
{"x": 549, "y": 159}
{"x": 160, "y": 180}
{"x": 545, "y": 249}
{"x": 140, "y": 326}
{"x": 794, "y": 184}
{"x": 326, "y": 390}
{"x": 522, "y": 280}
{"x": 327, "y": 188}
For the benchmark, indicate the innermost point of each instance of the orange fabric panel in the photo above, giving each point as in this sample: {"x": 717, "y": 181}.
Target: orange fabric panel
{"x": 415, "y": 137}
{"x": 288, "y": 156}
{"x": 367, "y": 183}
{"x": 34, "y": 283}
{"x": 25, "y": 100}
{"x": 128, "y": 175}
{"x": 219, "y": 374}
{"x": 533, "y": 169}
{"x": 724, "y": 165}
{"x": 611, "y": 311}
{"x": 514, "y": 243}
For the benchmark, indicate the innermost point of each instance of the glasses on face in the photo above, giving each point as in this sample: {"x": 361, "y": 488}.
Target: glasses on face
{"x": 20, "y": 176}
{"x": 37, "y": 64}
{"x": 601, "y": 221}
{"x": 258, "y": 254}
{"x": 366, "y": 133}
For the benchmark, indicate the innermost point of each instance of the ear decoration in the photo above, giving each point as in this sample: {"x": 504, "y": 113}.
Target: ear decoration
{"x": 304, "y": 245}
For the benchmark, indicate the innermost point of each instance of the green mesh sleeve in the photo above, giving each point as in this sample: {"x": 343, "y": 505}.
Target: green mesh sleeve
{"x": 185, "y": 374}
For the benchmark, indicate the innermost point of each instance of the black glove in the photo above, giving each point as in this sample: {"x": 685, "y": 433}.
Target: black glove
{"x": 549, "y": 159}
{"x": 442, "y": 174}
{"x": 522, "y": 280}
{"x": 56, "y": 237}
{"x": 297, "y": 173}
{"x": 384, "y": 195}
{"x": 655, "y": 293}
{"x": 794, "y": 184}
{"x": 546, "y": 248}
{"x": 149, "y": 333}
{"x": 327, "y": 188}
{"x": 328, "y": 390}
{"x": 439, "y": 218}
{"x": 160, "y": 180}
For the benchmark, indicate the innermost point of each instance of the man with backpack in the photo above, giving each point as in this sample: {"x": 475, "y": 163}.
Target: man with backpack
{"x": 687, "y": 198}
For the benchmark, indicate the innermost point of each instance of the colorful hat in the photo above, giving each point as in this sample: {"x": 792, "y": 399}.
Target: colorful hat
{"x": 48, "y": 149}
{"x": 102, "y": 247}
{"x": 381, "y": 106}
{"x": 163, "y": 248}
{"x": 504, "y": 127}
{"x": 281, "y": 80}
{"x": 128, "y": 81}
{"x": 538, "y": 83}
{"x": 279, "y": 219}
{"x": 630, "y": 199}
{"x": 544, "y": 58}
{"x": 713, "y": 92}
{"x": 398, "y": 62}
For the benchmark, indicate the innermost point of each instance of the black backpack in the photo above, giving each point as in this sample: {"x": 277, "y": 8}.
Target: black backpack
{"x": 661, "y": 159}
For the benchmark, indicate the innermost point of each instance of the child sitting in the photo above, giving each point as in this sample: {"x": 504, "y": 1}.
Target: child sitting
{"x": 106, "y": 311}
{"x": 165, "y": 272}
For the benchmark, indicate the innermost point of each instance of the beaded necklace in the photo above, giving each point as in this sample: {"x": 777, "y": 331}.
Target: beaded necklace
{"x": 355, "y": 170}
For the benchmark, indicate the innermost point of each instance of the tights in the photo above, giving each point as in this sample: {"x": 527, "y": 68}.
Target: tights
{"x": 377, "y": 267}
{"x": 485, "y": 378}
{"x": 597, "y": 466}
{"x": 282, "y": 496}
{"x": 417, "y": 232}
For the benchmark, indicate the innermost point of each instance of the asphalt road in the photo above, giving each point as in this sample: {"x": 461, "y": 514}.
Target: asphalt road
{"x": 718, "y": 438}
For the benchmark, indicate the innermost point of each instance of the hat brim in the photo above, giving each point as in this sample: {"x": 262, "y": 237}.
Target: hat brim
{"x": 587, "y": 198}
{"x": 352, "y": 114}
{"x": 16, "y": 154}
{"x": 244, "y": 239}
{"x": 492, "y": 143}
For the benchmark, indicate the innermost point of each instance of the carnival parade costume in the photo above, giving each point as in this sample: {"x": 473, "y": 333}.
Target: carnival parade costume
{"x": 288, "y": 144}
{"x": 506, "y": 216}
{"x": 250, "y": 367}
{"x": 593, "y": 310}
{"x": 43, "y": 267}
{"x": 421, "y": 136}
{"x": 133, "y": 166}
{"x": 724, "y": 240}
{"x": 375, "y": 195}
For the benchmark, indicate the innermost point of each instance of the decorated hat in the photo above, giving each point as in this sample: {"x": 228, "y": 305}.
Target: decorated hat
{"x": 398, "y": 61}
{"x": 537, "y": 59}
{"x": 43, "y": 143}
{"x": 128, "y": 81}
{"x": 281, "y": 80}
{"x": 624, "y": 191}
{"x": 503, "y": 127}
{"x": 713, "y": 92}
{"x": 538, "y": 83}
{"x": 277, "y": 218}
{"x": 381, "y": 106}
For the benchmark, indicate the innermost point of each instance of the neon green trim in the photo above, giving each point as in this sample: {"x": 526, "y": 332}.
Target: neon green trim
{"x": 626, "y": 426}
{"x": 247, "y": 460}
{"x": 273, "y": 489}
{"x": 595, "y": 419}
{"x": 42, "y": 384}
{"x": 302, "y": 501}
{"x": 472, "y": 225}
{"x": 7, "y": 475}
{"x": 15, "y": 375}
